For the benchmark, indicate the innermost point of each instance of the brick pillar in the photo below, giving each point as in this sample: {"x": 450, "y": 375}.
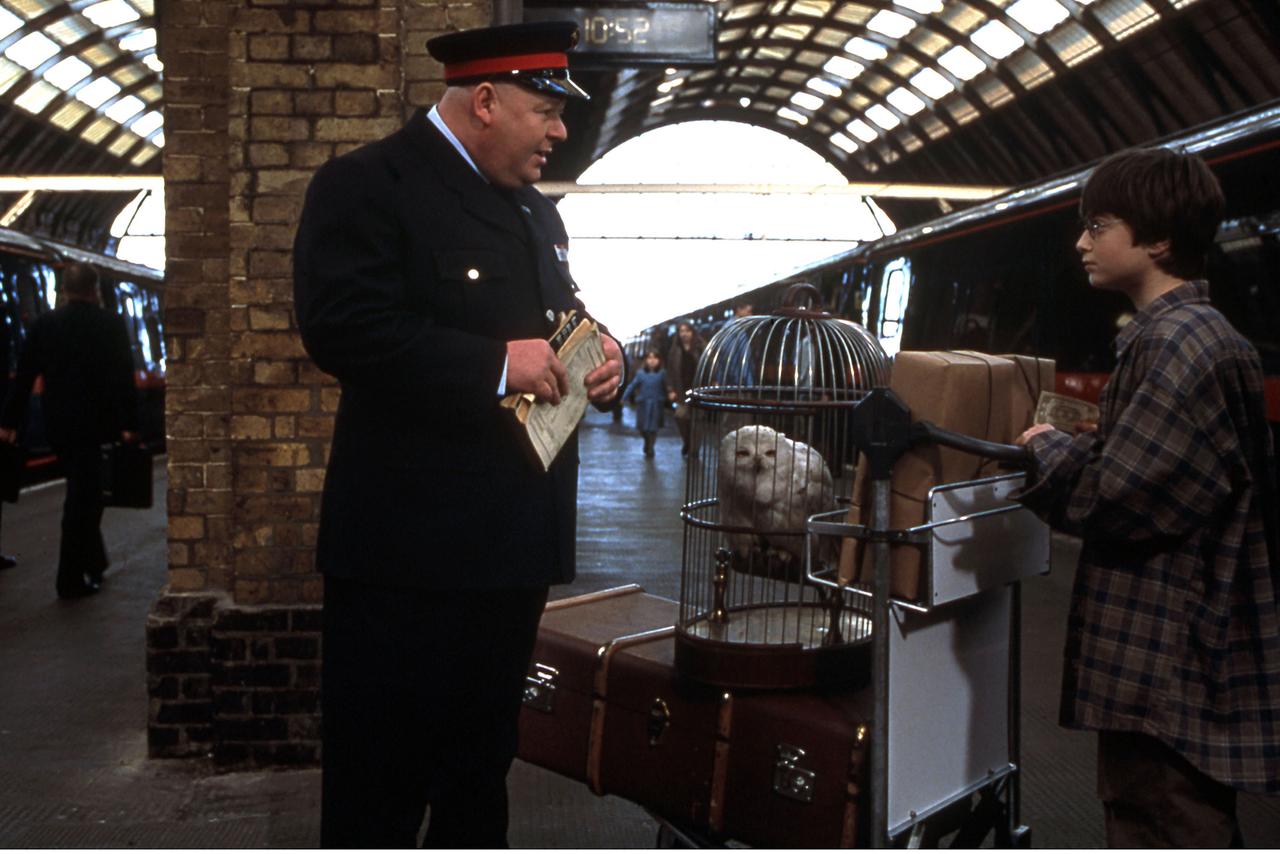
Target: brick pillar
{"x": 258, "y": 93}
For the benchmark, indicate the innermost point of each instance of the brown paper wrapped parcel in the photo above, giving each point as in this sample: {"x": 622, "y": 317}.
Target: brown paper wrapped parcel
{"x": 989, "y": 397}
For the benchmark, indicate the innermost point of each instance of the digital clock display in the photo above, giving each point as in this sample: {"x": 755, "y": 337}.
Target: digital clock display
{"x": 637, "y": 33}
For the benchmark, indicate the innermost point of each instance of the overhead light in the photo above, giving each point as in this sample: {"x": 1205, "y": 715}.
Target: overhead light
{"x": 153, "y": 62}
{"x": 962, "y": 62}
{"x": 9, "y": 22}
{"x": 37, "y": 97}
{"x": 905, "y": 100}
{"x": 32, "y": 50}
{"x": 843, "y": 143}
{"x": 139, "y": 40}
{"x": 924, "y": 7}
{"x": 98, "y": 92}
{"x": 668, "y": 85}
{"x": 671, "y": 71}
{"x": 843, "y": 66}
{"x": 932, "y": 83}
{"x": 147, "y": 123}
{"x": 792, "y": 116}
{"x": 826, "y": 87}
{"x": 124, "y": 109}
{"x": 1038, "y": 16}
{"x": 862, "y": 130}
{"x": 744, "y": 102}
{"x": 865, "y": 48}
{"x": 68, "y": 73}
{"x": 995, "y": 38}
{"x": 665, "y": 99}
{"x": 158, "y": 140}
{"x": 110, "y": 13}
{"x": 883, "y": 116}
{"x": 892, "y": 24}
{"x": 79, "y": 183}
{"x": 806, "y": 101}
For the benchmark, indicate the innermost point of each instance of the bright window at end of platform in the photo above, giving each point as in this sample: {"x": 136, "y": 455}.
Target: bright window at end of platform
{"x": 643, "y": 257}
{"x": 139, "y": 230}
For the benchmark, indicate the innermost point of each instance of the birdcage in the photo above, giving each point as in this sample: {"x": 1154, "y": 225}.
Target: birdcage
{"x": 769, "y": 447}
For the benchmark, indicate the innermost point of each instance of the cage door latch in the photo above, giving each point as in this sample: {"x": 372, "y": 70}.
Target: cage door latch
{"x": 790, "y": 779}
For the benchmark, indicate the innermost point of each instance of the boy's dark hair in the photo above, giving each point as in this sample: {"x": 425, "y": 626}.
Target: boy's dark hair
{"x": 79, "y": 279}
{"x": 1161, "y": 194}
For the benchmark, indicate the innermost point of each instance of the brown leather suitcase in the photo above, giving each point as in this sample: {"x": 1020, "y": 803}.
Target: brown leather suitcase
{"x": 604, "y": 705}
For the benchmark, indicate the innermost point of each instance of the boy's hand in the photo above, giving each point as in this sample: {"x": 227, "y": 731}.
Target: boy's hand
{"x": 1033, "y": 430}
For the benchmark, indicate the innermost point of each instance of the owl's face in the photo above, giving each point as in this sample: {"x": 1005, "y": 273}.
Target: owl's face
{"x": 749, "y": 457}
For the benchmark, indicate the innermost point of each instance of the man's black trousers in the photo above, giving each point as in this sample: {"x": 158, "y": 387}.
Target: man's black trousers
{"x": 82, "y": 553}
{"x": 421, "y": 697}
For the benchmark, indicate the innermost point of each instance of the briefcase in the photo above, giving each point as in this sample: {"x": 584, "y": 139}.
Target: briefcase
{"x": 604, "y": 705}
{"x": 126, "y": 475}
{"x": 12, "y": 466}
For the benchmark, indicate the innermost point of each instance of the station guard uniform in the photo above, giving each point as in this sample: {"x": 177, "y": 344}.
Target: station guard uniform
{"x": 412, "y": 272}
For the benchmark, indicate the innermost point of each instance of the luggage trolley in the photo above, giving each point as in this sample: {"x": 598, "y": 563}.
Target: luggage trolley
{"x": 945, "y": 670}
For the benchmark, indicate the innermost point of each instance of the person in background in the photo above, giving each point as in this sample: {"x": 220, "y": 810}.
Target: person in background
{"x": 428, "y": 273}
{"x": 682, "y": 363}
{"x": 648, "y": 394}
{"x": 90, "y": 399}
{"x": 1173, "y": 638}
{"x": 743, "y": 307}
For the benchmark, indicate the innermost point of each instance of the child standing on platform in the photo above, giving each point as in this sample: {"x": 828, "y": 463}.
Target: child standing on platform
{"x": 648, "y": 394}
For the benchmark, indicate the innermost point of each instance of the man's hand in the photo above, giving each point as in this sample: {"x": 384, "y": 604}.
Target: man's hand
{"x": 1033, "y": 430}
{"x": 603, "y": 382}
{"x": 533, "y": 368}
{"x": 7, "y": 435}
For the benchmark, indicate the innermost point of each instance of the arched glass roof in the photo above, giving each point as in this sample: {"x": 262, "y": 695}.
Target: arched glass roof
{"x": 88, "y": 67}
{"x": 869, "y": 83}
{"x": 878, "y": 79}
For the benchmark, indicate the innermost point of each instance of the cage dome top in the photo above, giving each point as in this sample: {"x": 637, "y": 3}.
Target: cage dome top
{"x": 799, "y": 354}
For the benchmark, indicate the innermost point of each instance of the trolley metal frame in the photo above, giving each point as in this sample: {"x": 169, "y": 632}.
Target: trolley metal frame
{"x": 958, "y": 621}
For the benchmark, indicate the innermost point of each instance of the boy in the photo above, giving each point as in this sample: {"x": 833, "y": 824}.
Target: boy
{"x": 1173, "y": 638}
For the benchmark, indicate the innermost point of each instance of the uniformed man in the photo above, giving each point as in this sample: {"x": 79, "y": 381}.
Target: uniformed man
{"x": 428, "y": 274}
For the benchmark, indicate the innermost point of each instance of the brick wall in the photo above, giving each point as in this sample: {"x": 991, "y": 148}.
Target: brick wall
{"x": 258, "y": 93}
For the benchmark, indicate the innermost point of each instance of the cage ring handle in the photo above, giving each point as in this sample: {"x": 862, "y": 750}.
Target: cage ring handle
{"x": 792, "y": 297}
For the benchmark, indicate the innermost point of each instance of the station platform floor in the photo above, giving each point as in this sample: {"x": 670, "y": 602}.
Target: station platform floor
{"x": 73, "y": 706}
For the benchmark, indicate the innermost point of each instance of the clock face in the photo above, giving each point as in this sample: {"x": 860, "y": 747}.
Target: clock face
{"x": 636, "y": 33}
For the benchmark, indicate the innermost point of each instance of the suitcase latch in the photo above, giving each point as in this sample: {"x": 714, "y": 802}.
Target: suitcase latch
{"x": 789, "y": 779}
{"x": 540, "y": 687}
{"x": 659, "y": 720}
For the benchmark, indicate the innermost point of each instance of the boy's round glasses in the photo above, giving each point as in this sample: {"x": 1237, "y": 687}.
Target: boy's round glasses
{"x": 1096, "y": 226}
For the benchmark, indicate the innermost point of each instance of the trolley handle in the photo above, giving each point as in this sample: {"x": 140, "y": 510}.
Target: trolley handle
{"x": 927, "y": 431}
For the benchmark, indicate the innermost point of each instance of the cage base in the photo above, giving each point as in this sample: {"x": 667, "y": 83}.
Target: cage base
{"x": 743, "y": 653}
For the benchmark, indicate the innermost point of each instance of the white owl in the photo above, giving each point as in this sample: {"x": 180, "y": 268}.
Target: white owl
{"x": 770, "y": 484}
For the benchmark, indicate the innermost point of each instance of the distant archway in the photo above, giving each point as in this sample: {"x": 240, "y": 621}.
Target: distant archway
{"x": 641, "y": 258}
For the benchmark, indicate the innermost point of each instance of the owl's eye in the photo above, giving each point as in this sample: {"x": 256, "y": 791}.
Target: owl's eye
{"x": 771, "y": 453}
{"x": 743, "y": 452}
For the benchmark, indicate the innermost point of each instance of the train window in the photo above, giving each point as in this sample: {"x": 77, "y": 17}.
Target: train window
{"x": 1242, "y": 274}
{"x": 895, "y": 290}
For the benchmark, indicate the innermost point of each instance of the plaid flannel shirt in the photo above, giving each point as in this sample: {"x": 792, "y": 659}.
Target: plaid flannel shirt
{"x": 1174, "y": 627}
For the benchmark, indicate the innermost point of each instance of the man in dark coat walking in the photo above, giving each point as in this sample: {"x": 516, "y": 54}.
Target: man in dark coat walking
{"x": 428, "y": 274}
{"x": 90, "y": 399}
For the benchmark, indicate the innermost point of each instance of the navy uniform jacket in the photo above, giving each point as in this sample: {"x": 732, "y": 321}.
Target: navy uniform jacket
{"x": 83, "y": 352}
{"x": 411, "y": 273}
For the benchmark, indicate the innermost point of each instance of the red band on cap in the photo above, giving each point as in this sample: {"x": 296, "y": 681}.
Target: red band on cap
{"x": 502, "y": 64}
